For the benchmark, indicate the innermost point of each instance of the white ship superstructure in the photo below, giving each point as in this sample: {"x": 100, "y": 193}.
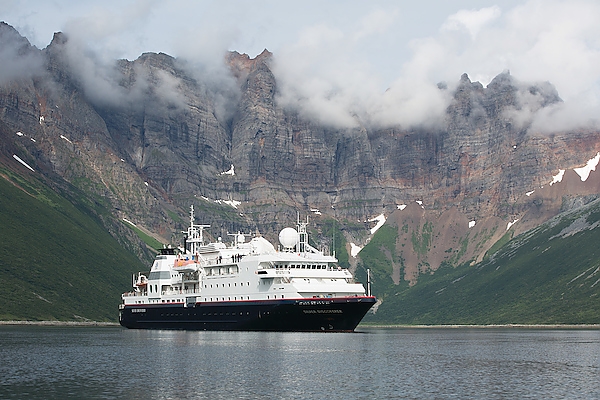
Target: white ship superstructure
{"x": 246, "y": 280}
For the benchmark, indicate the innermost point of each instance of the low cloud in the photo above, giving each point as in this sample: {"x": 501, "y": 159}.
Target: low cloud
{"x": 324, "y": 75}
{"x": 19, "y": 59}
{"x": 471, "y": 21}
{"x": 93, "y": 44}
{"x": 201, "y": 50}
{"x": 353, "y": 69}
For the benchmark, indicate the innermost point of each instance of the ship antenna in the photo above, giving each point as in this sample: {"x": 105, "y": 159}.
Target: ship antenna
{"x": 195, "y": 233}
{"x": 369, "y": 282}
{"x": 192, "y": 215}
{"x": 333, "y": 239}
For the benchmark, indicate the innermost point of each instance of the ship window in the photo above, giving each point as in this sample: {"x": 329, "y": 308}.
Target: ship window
{"x": 150, "y": 288}
{"x": 241, "y": 283}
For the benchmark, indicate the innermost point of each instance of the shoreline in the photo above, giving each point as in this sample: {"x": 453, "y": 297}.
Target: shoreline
{"x": 361, "y": 326}
{"x": 60, "y": 323}
{"x": 491, "y": 326}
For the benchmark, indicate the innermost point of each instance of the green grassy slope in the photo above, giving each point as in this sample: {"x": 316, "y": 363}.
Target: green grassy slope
{"x": 57, "y": 262}
{"x": 540, "y": 277}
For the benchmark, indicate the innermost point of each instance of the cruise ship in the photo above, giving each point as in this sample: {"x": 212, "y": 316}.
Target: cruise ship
{"x": 246, "y": 285}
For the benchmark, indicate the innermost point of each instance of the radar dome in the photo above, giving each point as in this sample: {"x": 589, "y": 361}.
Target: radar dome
{"x": 288, "y": 237}
{"x": 241, "y": 238}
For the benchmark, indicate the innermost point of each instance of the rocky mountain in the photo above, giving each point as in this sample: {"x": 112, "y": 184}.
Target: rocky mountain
{"x": 147, "y": 138}
{"x": 548, "y": 275}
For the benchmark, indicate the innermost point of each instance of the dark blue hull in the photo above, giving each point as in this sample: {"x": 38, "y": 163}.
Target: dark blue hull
{"x": 317, "y": 314}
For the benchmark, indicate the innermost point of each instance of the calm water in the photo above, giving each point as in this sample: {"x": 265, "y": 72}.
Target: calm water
{"x": 111, "y": 362}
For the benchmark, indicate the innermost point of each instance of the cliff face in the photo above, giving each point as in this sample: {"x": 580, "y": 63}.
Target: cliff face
{"x": 149, "y": 137}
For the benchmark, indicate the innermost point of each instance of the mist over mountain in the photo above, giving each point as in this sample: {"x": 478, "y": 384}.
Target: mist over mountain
{"x": 455, "y": 167}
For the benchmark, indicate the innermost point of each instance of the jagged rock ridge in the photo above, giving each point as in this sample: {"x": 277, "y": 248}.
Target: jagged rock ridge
{"x": 151, "y": 136}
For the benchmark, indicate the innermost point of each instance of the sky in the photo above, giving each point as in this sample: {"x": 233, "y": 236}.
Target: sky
{"x": 377, "y": 62}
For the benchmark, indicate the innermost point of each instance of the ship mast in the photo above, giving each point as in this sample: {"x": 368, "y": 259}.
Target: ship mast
{"x": 195, "y": 236}
{"x": 302, "y": 234}
{"x": 303, "y": 245}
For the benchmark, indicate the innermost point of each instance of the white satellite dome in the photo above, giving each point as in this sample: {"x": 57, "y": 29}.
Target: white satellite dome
{"x": 241, "y": 238}
{"x": 288, "y": 237}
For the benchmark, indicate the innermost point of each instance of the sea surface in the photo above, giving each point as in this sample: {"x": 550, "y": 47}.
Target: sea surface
{"x": 446, "y": 363}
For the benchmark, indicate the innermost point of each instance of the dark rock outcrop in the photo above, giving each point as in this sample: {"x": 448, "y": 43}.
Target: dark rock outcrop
{"x": 150, "y": 137}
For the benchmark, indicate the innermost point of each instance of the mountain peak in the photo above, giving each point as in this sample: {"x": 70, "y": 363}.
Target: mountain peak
{"x": 58, "y": 38}
{"x": 10, "y": 37}
{"x": 242, "y": 64}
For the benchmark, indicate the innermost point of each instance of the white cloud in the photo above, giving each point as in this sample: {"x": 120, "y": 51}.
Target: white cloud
{"x": 336, "y": 65}
{"x": 323, "y": 74}
{"x": 471, "y": 20}
{"x": 19, "y": 59}
{"x": 376, "y": 22}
